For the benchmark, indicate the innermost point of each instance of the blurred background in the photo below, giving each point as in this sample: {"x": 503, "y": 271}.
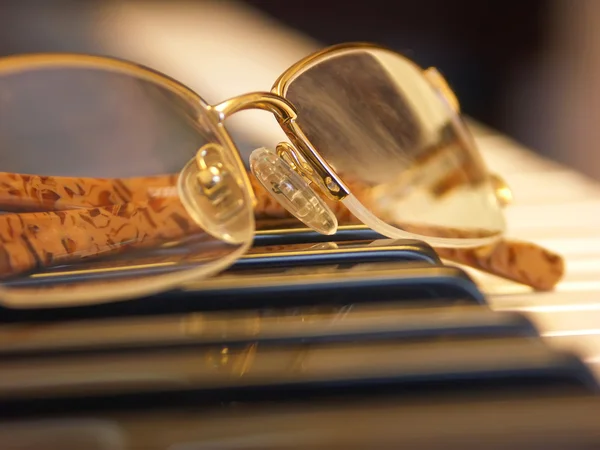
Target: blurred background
{"x": 530, "y": 69}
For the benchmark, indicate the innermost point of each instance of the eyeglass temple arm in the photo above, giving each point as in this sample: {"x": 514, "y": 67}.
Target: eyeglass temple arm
{"x": 114, "y": 215}
{"x": 19, "y": 192}
{"x": 36, "y": 240}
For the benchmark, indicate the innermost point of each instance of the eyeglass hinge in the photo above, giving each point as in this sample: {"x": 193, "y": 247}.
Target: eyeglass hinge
{"x": 299, "y": 164}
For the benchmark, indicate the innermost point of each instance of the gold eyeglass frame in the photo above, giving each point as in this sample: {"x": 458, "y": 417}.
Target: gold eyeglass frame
{"x": 299, "y": 153}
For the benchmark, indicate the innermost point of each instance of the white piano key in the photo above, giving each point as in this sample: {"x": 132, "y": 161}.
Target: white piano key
{"x": 589, "y": 267}
{"x": 572, "y": 246}
{"x": 556, "y": 301}
{"x": 504, "y": 289}
{"x": 554, "y": 215}
{"x": 575, "y": 230}
{"x": 566, "y": 323}
{"x": 541, "y": 188}
{"x": 503, "y": 155}
{"x": 558, "y": 209}
{"x": 579, "y": 332}
{"x": 576, "y": 278}
{"x": 587, "y": 348}
{"x": 594, "y": 360}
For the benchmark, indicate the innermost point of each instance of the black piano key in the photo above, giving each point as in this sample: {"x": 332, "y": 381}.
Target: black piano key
{"x": 336, "y": 284}
{"x": 259, "y": 257}
{"x": 349, "y": 252}
{"x": 311, "y": 372}
{"x": 356, "y": 323}
{"x": 526, "y": 422}
{"x": 285, "y": 288}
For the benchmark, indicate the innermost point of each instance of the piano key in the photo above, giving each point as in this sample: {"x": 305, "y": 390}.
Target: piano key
{"x": 554, "y": 215}
{"x": 451, "y": 422}
{"x": 338, "y": 285}
{"x": 507, "y": 156}
{"x": 585, "y": 345}
{"x": 566, "y": 321}
{"x": 502, "y": 290}
{"x": 260, "y": 257}
{"x": 588, "y": 266}
{"x": 572, "y": 230}
{"x": 272, "y": 255}
{"x": 264, "y": 372}
{"x": 573, "y": 187}
{"x": 546, "y": 301}
{"x": 355, "y": 322}
{"x": 567, "y": 317}
{"x": 294, "y": 235}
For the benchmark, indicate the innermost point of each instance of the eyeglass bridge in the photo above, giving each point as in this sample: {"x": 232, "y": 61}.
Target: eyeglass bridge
{"x": 300, "y": 153}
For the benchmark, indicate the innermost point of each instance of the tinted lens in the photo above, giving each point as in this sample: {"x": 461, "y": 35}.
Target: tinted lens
{"x": 102, "y": 159}
{"x": 382, "y": 126}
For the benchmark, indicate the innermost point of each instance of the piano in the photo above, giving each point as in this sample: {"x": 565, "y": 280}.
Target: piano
{"x": 493, "y": 367}
{"x": 526, "y": 375}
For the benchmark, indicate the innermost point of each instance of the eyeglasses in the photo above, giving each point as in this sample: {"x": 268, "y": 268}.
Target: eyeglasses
{"x": 104, "y": 158}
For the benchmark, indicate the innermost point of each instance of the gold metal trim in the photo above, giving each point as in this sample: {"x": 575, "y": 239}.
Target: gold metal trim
{"x": 281, "y": 84}
{"x": 502, "y": 190}
{"x": 329, "y": 181}
{"x": 437, "y": 80}
{"x": 266, "y": 101}
{"x": 16, "y": 63}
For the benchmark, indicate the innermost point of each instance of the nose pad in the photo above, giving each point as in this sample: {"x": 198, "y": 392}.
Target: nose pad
{"x": 291, "y": 191}
{"x": 214, "y": 196}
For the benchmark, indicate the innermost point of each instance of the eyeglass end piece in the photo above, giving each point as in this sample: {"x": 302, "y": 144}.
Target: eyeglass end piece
{"x": 502, "y": 190}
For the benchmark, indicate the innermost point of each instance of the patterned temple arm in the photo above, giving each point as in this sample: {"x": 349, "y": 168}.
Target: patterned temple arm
{"x": 79, "y": 218}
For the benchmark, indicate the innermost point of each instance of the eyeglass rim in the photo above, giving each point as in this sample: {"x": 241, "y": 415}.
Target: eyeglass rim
{"x": 33, "y": 61}
{"x": 283, "y": 82}
{"x": 27, "y": 298}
